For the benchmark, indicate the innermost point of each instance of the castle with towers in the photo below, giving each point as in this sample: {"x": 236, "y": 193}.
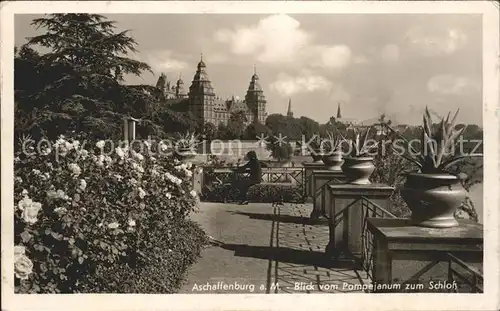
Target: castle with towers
{"x": 205, "y": 105}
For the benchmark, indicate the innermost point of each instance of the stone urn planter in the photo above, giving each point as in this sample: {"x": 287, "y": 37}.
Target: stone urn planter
{"x": 358, "y": 170}
{"x": 333, "y": 162}
{"x": 433, "y": 198}
{"x": 184, "y": 154}
{"x": 316, "y": 156}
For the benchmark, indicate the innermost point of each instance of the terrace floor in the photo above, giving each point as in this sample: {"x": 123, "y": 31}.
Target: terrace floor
{"x": 275, "y": 249}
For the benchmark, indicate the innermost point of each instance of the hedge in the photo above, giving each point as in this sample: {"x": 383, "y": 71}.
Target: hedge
{"x": 269, "y": 193}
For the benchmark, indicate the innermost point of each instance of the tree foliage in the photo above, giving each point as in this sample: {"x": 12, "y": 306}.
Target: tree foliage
{"x": 77, "y": 84}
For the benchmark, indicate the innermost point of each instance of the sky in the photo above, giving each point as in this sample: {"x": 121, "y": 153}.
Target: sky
{"x": 371, "y": 64}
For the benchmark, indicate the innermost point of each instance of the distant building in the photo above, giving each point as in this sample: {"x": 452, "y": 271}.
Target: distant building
{"x": 204, "y": 104}
{"x": 170, "y": 91}
{"x": 347, "y": 121}
{"x": 289, "y": 113}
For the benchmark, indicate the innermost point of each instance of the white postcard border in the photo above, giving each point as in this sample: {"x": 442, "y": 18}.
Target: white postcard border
{"x": 491, "y": 119}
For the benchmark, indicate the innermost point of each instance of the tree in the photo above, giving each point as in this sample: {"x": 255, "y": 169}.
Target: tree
{"x": 255, "y": 130}
{"x": 209, "y": 130}
{"x": 279, "y": 150}
{"x": 286, "y": 126}
{"x": 223, "y": 132}
{"x": 309, "y": 127}
{"x": 79, "y": 77}
{"x": 236, "y": 124}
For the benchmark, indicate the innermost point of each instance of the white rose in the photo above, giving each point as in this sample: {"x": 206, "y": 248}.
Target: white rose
{"x": 30, "y": 213}
{"x": 139, "y": 156}
{"x": 119, "y": 152}
{"x": 100, "y": 144}
{"x": 68, "y": 145}
{"x": 83, "y": 184}
{"x": 24, "y": 203}
{"x": 75, "y": 169}
{"x": 113, "y": 225}
{"x": 131, "y": 223}
{"x": 24, "y": 193}
{"x": 84, "y": 153}
{"x": 193, "y": 193}
{"x": 142, "y": 193}
{"x": 189, "y": 173}
{"x": 61, "y": 195}
{"x": 60, "y": 210}
{"x": 168, "y": 195}
{"x": 163, "y": 147}
{"x": 23, "y": 266}
{"x": 76, "y": 144}
{"x": 19, "y": 250}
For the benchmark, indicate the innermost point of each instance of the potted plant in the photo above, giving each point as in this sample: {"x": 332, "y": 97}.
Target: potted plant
{"x": 434, "y": 193}
{"x": 358, "y": 165}
{"x": 331, "y": 150}
{"x": 185, "y": 146}
{"x": 314, "y": 148}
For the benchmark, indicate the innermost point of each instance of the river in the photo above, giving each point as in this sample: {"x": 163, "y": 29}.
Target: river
{"x": 476, "y": 195}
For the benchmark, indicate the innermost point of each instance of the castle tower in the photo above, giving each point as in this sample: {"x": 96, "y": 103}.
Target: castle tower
{"x": 162, "y": 84}
{"x": 201, "y": 94}
{"x": 179, "y": 89}
{"x": 339, "y": 115}
{"x": 255, "y": 99}
{"x": 289, "y": 113}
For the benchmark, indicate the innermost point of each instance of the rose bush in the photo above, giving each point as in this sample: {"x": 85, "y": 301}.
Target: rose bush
{"x": 81, "y": 214}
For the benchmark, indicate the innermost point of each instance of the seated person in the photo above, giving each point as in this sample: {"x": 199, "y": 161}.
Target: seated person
{"x": 253, "y": 166}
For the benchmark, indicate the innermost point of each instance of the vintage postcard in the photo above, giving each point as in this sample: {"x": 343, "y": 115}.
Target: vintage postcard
{"x": 244, "y": 155}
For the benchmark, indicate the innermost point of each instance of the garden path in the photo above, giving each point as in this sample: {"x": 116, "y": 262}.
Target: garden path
{"x": 261, "y": 245}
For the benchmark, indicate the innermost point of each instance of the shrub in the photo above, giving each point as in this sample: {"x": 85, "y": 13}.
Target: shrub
{"x": 80, "y": 214}
{"x": 166, "y": 264}
{"x": 221, "y": 193}
{"x": 268, "y": 193}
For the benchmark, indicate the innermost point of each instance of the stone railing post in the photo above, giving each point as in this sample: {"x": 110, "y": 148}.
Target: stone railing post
{"x": 346, "y": 215}
{"x": 397, "y": 241}
{"x": 320, "y": 179}
{"x": 129, "y": 128}
{"x": 309, "y": 167}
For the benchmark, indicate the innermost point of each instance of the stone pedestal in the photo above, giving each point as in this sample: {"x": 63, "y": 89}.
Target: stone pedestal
{"x": 397, "y": 240}
{"x": 198, "y": 180}
{"x": 320, "y": 179}
{"x": 346, "y": 208}
{"x": 309, "y": 167}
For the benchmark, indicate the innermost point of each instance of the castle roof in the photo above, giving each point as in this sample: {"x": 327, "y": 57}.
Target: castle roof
{"x": 201, "y": 83}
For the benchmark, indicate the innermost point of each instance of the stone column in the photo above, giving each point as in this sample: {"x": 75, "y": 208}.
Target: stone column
{"x": 346, "y": 214}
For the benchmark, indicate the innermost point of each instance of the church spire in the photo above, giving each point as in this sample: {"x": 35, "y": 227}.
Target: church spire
{"x": 289, "y": 112}
{"x": 339, "y": 115}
